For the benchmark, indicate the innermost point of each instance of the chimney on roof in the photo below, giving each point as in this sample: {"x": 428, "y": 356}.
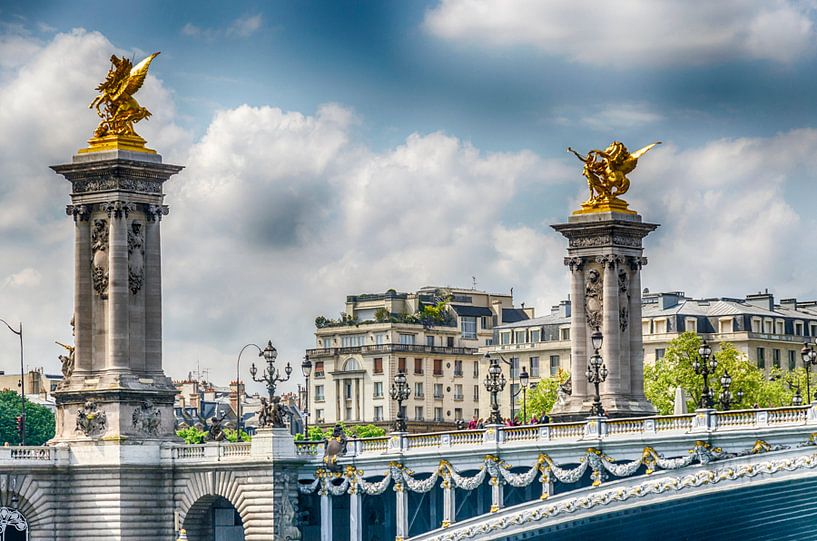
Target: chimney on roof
{"x": 762, "y": 300}
{"x": 668, "y": 300}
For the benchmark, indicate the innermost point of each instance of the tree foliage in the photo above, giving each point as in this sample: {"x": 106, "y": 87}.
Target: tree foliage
{"x": 317, "y": 433}
{"x": 541, "y": 398}
{"x": 192, "y": 435}
{"x": 675, "y": 370}
{"x": 39, "y": 420}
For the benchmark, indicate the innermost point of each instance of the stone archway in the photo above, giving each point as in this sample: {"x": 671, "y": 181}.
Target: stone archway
{"x": 213, "y": 518}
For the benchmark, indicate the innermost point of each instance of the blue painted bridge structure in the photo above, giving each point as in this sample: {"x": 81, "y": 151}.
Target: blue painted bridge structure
{"x": 747, "y": 474}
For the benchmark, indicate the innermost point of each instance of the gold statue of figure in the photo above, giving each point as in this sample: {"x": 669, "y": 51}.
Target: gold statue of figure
{"x": 117, "y": 107}
{"x": 606, "y": 173}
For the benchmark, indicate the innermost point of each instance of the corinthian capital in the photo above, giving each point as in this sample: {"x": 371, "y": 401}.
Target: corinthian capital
{"x": 79, "y": 212}
{"x": 609, "y": 261}
{"x": 636, "y": 262}
{"x": 155, "y": 212}
{"x": 117, "y": 209}
{"x": 575, "y": 263}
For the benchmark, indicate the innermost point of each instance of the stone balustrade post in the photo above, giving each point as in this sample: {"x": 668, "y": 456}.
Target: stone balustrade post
{"x": 704, "y": 420}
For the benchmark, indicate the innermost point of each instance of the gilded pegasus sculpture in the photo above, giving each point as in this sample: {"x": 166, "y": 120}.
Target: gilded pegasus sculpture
{"x": 115, "y": 103}
{"x": 606, "y": 173}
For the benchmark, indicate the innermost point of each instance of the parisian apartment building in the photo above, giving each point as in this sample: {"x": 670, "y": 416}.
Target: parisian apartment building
{"x": 358, "y": 355}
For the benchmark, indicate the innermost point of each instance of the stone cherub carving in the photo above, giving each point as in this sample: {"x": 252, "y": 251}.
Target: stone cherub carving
{"x": 99, "y": 247}
{"x": 136, "y": 257}
{"x": 606, "y": 173}
{"x": 593, "y": 298}
{"x": 115, "y": 104}
{"x": 147, "y": 418}
{"x": 90, "y": 420}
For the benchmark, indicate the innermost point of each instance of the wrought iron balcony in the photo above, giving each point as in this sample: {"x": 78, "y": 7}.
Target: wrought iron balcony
{"x": 390, "y": 348}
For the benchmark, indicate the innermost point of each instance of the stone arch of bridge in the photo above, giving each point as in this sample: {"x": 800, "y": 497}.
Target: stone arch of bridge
{"x": 198, "y": 494}
{"x": 213, "y": 517}
{"x": 26, "y": 494}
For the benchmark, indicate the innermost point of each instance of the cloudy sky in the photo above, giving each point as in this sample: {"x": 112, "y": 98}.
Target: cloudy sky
{"x": 334, "y": 148}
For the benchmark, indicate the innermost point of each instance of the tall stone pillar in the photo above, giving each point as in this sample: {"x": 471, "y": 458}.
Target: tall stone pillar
{"x": 605, "y": 294}
{"x": 116, "y": 389}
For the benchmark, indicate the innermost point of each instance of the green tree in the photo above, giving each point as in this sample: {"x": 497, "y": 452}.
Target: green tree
{"x": 675, "y": 370}
{"x": 192, "y": 435}
{"x": 541, "y": 398}
{"x": 39, "y": 420}
{"x": 317, "y": 433}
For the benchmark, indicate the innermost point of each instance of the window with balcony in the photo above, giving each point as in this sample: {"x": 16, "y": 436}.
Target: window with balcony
{"x": 792, "y": 359}
{"x": 533, "y": 371}
{"x": 319, "y": 396}
{"x": 457, "y": 369}
{"x": 476, "y": 393}
{"x": 407, "y": 339}
{"x": 776, "y": 358}
{"x": 691, "y": 324}
{"x": 327, "y": 343}
{"x": 458, "y": 392}
{"x": 468, "y": 327}
{"x": 438, "y": 390}
{"x": 767, "y": 326}
{"x": 418, "y": 366}
{"x": 353, "y": 340}
{"x": 535, "y": 335}
{"x": 378, "y": 365}
{"x": 438, "y": 367}
{"x": 430, "y": 341}
{"x": 378, "y": 413}
{"x": 418, "y": 390}
{"x": 319, "y": 370}
{"x": 756, "y": 324}
{"x": 438, "y": 415}
{"x": 418, "y": 413}
{"x": 725, "y": 325}
{"x": 401, "y": 364}
{"x": 660, "y": 326}
{"x": 761, "y": 357}
{"x": 378, "y": 389}
{"x": 449, "y": 340}
{"x": 520, "y": 337}
{"x": 380, "y": 338}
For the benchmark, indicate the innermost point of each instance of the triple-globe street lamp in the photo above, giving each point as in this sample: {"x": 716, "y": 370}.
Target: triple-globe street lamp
{"x": 271, "y": 376}
{"x": 524, "y": 380}
{"x": 238, "y": 393}
{"x": 494, "y": 383}
{"x": 727, "y": 397}
{"x": 400, "y": 391}
{"x": 704, "y": 365}
{"x": 596, "y": 373}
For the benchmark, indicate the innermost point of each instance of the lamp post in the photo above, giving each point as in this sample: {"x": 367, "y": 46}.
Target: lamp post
{"x": 809, "y": 356}
{"x": 596, "y": 373}
{"x": 727, "y": 398}
{"x": 524, "y": 380}
{"x": 797, "y": 399}
{"x": 494, "y": 383}
{"x": 238, "y": 418}
{"x": 513, "y": 380}
{"x": 400, "y": 391}
{"x": 704, "y": 366}
{"x": 22, "y": 427}
{"x": 272, "y": 376}
{"x": 306, "y": 368}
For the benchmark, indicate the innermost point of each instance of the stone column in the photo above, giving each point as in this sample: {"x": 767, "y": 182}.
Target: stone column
{"x": 578, "y": 326}
{"x": 83, "y": 291}
{"x": 636, "y": 339}
{"x": 624, "y": 325}
{"x": 496, "y": 494}
{"x": 449, "y": 502}
{"x": 326, "y": 513}
{"x": 610, "y": 327}
{"x": 118, "y": 332}
{"x": 355, "y": 514}
{"x": 357, "y": 400}
{"x": 153, "y": 289}
{"x": 401, "y": 514}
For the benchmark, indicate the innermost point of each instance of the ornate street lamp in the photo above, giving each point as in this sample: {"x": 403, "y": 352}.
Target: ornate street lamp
{"x": 727, "y": 398}
{"x": 271, "y": 376}
{"x": 238, "y": 416}
{"x": 797, "y": 399}
{"x": 306, "y": 368}
{"x": 524, "y": 380}
{"x": 400, "y": 391}
{"x": 494, "y": 383}
{"x": 704, "y": 366}
{"x": 596, "y": 373}
{"x": 22, "y": 421}
{"x": 809, "y": 356}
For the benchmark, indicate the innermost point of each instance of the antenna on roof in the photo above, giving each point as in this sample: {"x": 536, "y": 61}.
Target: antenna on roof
{"x": 511, "y": 292}
{"x": 474, "y": 283}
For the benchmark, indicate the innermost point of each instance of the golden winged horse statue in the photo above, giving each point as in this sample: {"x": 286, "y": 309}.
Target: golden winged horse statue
{"x": 115, "y": 103}
{"x": 606, "y": 173}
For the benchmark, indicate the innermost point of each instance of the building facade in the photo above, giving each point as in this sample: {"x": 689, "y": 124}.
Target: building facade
{"x": 431, "y": 335}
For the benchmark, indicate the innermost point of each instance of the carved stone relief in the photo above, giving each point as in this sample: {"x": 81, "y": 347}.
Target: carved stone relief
{"x": 99, "y": 250}
{"x": 287, "y": 523}
{"x": 79, "y": 212}
{"x": 575, "y": 263}
{"x": 624, "y": 305}
{"x": 155, "y": 212}
{"x": 593, "y": 298}
{"x": 605, "y": 240}
{"x": 90, "y": 420}
{"x": 136, "y": 257}
{"x": 147, "y": 418}
{"x": 105, "y": 183}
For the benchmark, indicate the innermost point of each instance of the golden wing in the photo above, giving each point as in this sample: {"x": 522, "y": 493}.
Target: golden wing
{"x": 641, "y": 151}
{"x": 136, "y": 77}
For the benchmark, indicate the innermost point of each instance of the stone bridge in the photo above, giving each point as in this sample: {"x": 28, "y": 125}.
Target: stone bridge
{"x": 496, "y": 483}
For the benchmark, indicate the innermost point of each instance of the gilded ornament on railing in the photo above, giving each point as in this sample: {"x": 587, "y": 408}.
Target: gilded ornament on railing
{"x": 606, "y": 173}
{"x": 118, "y": 109}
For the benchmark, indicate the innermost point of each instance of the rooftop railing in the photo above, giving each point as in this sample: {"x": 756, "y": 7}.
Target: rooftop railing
{"x": 390, "y": 348}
